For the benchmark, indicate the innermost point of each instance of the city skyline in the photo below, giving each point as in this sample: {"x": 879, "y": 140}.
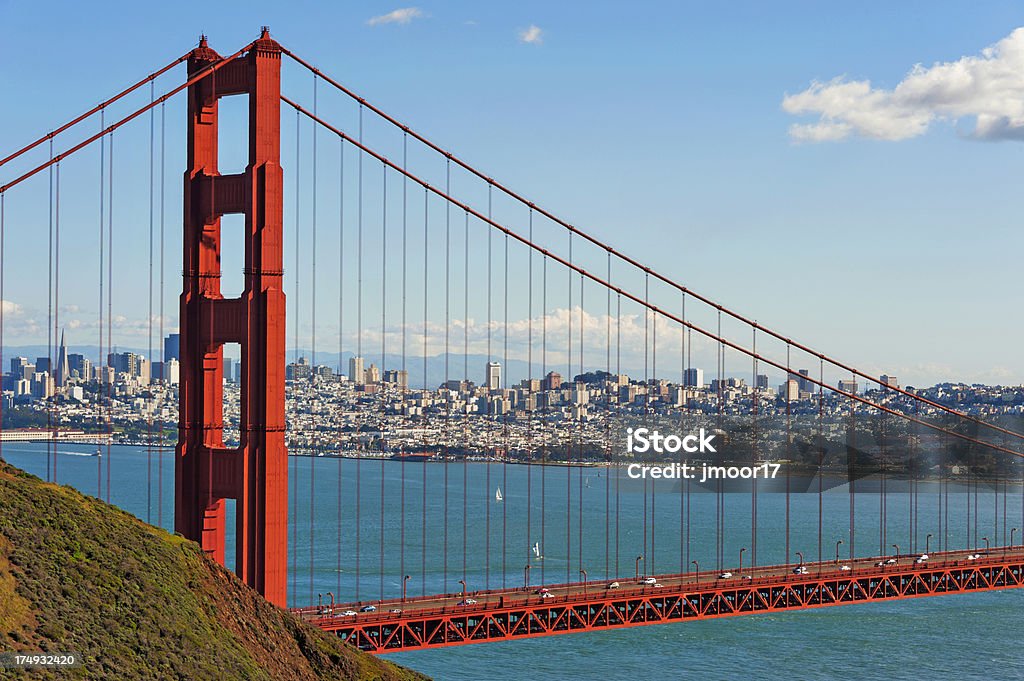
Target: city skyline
{"x": 926, "y": 224}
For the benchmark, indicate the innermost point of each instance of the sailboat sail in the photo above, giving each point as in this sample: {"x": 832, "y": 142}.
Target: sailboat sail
{"x": 497, "y": 495}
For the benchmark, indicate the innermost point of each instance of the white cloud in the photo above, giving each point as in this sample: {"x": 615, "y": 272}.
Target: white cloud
{"x": 10, "y": 308}
{"x": 988, "y": 88}
{"x": 403, "y": 15}
{"x": 532, "y": 35}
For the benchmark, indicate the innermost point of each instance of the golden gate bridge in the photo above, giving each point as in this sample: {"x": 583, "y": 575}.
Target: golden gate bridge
{"x": 425, "y": 236}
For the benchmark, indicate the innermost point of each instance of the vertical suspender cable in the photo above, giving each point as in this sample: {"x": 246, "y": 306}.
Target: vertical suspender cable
{"x": 294, "y": 501}
{"x": 754, "y": 453}
{"x": 383, "y": 345}
{"x": 530, "y": 394}
{"x": 447, "y": 335}
{"x": 607, "y": 418}
{"x": 506, "y": 407}
{"x": 404, "y": 376}
{"x": 544, "y": 412}
{"x": 150, "y": 356}
{"x": 579, "y": 477}
{"x": 568, "y": 449}
{"x": 359, "y": 380}
{"x": 653, "y": 383}
{"x": 315, "y": 403}
{"x": 341, "y": 341}
{"x": 490, "y": 401}
{"x": 821, "y": 454}
{"x": 56, "y": 302}
{"x": 50, "y": 439}
{"x": 110, "y": 305}
{"x": 465, "y": 419}
{"x": 426, "y": 262}
{"x": 99, "y": 360}
{"x": 163, "y": 355}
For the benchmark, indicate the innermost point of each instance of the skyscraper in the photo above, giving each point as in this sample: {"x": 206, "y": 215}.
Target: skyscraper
{"x": 355, "y": 370}
{"x": 493, "y": 378}
{"x": 172, "y": 347}
{"x": 693, "y": 378}
{"x": 61, "y": 372}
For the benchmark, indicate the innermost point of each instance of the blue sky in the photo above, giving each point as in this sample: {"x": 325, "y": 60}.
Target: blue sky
{"x": 659, "y": 127}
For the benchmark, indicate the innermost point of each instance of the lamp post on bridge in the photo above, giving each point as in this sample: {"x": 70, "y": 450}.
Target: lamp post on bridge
{"x": 405, "y": 583}
{"x": 739, "y": 570}
{"x": 331, "y": 595}
{"x": 463, "y": 583}
{"x": 928, "y": 544}
{"x": 638, "y": 559}
{"x": 838, "y": 544}
{"x": 897, "y": 547}
{"x": 697, "y": 576}
{"x": 584, "y": 573}
{"x": 985, "y": 539}
{"x": 801, "y": 563}
{"x": 526, "y": 576}
{"x": 1012, "y": 531}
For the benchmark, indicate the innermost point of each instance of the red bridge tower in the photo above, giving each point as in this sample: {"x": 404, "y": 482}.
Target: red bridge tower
{"x": 206, "y": 471}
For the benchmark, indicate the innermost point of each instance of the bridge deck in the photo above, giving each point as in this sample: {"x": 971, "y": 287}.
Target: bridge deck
{"x": 435, "y": 621}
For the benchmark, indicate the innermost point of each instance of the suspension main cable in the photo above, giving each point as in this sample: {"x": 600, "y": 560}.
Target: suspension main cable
{"x": 96, "y": 109}
{"x": 199, "y": 75}
{"x": 638, "y": 299}
{"x": 634, "y": 263}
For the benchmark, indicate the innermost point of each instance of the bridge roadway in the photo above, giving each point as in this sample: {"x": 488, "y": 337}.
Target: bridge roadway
{"x": 479, "y": 616}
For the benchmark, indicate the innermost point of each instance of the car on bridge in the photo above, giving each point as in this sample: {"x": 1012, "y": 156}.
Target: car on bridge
{"x": 613, "y": 585}
{"x": 650, "y": 580}
{"x": 468, "y": 601}
{"x": 368, "y": 608}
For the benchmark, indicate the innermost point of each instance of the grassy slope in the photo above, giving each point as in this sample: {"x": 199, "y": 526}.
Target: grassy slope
{"x": 79, "y": 575}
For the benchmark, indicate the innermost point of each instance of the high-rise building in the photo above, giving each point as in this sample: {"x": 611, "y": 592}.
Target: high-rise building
{"x": 62, "y": 372}
{"x": 493, "y": 376}
{"x": 790, "y": 390}
{"x": 356, "y": 374}
{"x": 762, "y": 382}
{"x": 42, "y": 365}
{"x": 693, "y": 378}
{"x": 172, "y": 347}
{"x": 890, "y": 381}
{"x": 848, "y": 387}
{"x": 21, "y": 368}
{"x": 80, "y": 366}
{"x": 372, "y": 376}
{"x": 298, "y": 370}
{"x": 553, "y": 381}
{"x": 229, "y": 369}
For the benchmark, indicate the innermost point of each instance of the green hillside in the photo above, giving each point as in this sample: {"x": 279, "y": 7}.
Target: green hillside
{"x": 77, "y": 574}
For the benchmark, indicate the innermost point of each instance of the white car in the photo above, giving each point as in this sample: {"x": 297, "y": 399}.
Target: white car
{"x": 347, "y": 613}
{"x": 395, "y": 611}
{"x": 543, "y": 590}
{"x": 725, "y": 575}
{"x": 845, "y": 568}
{"x": 891, "y": 561}
{"x": 800, "y": 570}
{"x": 468, "y": 601}
{"x": 973, "y": 556}
{"x": 613, "y": 585}
{"x": 657, "y": 586}
{"x": 547, "y": 594}
{"x": 650, "y": 580}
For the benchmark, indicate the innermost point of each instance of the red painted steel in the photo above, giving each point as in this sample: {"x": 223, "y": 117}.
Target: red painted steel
{"x": 256, "y": 473}
{"x": 437, "y": 621}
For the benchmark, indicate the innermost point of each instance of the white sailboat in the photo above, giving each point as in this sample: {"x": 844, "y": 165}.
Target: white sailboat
{"x": 536, "y": 551}
{"x": 497, "y": 495}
